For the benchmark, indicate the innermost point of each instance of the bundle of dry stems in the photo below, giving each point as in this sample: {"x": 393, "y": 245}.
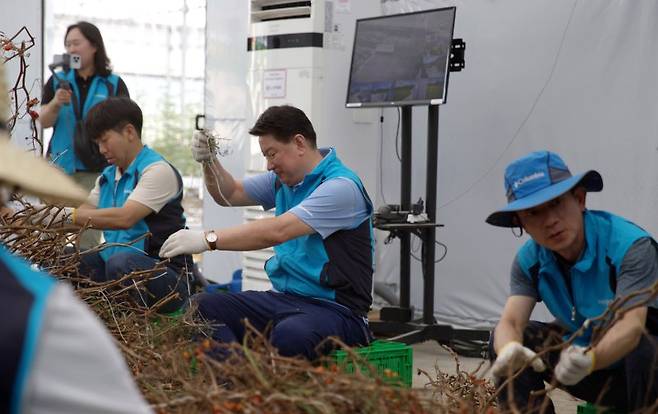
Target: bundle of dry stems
{"x": 169, "y": 356}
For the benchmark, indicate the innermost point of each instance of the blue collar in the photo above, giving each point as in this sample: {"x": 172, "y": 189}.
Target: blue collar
{"x": 328, "y": 155}
{"x": 587, "y": 256}
{"x": 132, "y": 168}
{"x": 110, "y": 173}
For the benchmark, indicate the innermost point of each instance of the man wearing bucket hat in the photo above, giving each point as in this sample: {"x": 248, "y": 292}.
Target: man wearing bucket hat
{"x": 55, "y": 354}
{"x": 577, "y": 262}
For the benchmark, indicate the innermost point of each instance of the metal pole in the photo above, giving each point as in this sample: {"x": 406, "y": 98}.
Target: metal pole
{"x": 405, "y": 204}
{"x": 429, "y": 233}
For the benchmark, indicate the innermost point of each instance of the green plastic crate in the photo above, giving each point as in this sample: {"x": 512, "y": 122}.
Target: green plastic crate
{"x": 589, "y": 408}
{"x": 177, "y": 314}
{"x": 392, "y": 360}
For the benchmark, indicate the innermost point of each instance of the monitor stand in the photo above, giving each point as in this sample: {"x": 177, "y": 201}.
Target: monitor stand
{"x": 397, "y": 323}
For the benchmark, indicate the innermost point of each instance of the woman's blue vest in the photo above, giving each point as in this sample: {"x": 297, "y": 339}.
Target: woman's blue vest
{"x": 338, "y": 268}
{"x": 161, "y": 225}
{"x": 608, "y": 237}
{"x": 23, "y": 297}
{"x": 61, "y": 147}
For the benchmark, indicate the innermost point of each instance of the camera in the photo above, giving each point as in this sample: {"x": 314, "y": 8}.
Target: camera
{"x": 66, "y": 61}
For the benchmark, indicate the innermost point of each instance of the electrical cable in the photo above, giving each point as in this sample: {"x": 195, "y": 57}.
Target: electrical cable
{"x": 397, "y": 134}
{"x": 527, "y": 117}
{"x": 443, "y": 256}
{"x": 381, "y": 155}
{"x": 381, "y": 149}
{"x": 415, "y": 249}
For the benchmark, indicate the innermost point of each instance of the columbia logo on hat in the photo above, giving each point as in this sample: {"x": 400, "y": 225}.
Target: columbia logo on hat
{"x": 523, "y": 180}
{"x": 535, "y": 179}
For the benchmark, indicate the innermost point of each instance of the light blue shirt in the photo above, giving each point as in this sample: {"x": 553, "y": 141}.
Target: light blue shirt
{"x": 336, "y": 204}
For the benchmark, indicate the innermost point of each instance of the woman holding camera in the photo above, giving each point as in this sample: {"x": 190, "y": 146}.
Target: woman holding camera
{"x": 68, "y": 96}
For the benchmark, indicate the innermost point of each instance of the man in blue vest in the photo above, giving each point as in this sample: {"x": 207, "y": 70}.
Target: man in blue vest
{"x": 138, "y": 193}
{"x": 55, "y": 354}
{"x": 322, "y": 237}
{"x": 577, "y": 262}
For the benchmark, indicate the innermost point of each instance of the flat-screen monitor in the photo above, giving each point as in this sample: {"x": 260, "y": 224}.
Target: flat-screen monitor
{"x": 401, "y": 59}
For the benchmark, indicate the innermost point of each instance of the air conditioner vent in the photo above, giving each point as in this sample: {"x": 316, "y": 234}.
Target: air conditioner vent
{"x": 266, "y": 10}
{"x": 287, "y": 5}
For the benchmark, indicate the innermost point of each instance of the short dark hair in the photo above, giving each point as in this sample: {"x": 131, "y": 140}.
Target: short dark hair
{"x": 114, "y": 113}
{"x": 283, "y": 122}
{"x": 93, "y": 35}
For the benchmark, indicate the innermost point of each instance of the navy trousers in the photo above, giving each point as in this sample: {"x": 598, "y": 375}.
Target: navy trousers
{"x": 122, "y": 263}
{"x": 629, "y": 385}
{"x": 298, "y": 324}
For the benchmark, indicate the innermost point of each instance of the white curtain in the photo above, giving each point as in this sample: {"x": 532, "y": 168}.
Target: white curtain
{"x": 573, "y": 76}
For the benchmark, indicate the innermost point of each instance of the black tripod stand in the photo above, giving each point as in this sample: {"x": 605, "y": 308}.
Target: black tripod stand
{"x": 396, "y": 322}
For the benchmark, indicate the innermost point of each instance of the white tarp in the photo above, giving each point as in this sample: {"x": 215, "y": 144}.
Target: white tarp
{"x": 575, "y": 77}
{"x": 226, "y": 108}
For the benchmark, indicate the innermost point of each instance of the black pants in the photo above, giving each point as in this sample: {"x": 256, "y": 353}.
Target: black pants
{"x": 630, "y": 384}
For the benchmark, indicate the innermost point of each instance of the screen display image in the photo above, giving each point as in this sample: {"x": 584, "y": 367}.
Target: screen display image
{"x": 401, "y": 59}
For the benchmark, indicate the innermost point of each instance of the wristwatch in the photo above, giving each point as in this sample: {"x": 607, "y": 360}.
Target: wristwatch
{"x": 211, "y": 239}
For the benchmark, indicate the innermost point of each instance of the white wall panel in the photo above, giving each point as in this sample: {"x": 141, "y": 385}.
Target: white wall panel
{"x": 575, "y": 77}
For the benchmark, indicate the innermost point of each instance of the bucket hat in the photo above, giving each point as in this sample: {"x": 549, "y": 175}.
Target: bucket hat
{"x": 535, "y": 179}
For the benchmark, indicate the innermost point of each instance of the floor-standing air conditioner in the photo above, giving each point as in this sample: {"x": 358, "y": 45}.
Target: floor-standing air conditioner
{"x": 285, "y": 67}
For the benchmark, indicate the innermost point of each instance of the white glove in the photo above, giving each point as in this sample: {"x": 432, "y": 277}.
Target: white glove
{"x": 200, "y": 148}
{"x": 184, "y": 242}
{"x": 575, "y": 364}
{"x": 512, "y": 357}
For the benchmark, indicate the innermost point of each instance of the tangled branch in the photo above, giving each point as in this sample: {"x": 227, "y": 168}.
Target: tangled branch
{"x": 22, "y": 104}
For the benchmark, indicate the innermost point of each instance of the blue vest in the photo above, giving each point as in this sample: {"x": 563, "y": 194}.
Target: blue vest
{"x": 161, "y": 224}
{"x": 338, "y": 268}
{"x": 23, "y": 296}
{"x": 608, "y": 237}
{"x": 61, "y": 145}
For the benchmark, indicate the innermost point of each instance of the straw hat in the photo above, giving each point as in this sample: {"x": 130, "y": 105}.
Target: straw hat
{"x": 32, "y": 175}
